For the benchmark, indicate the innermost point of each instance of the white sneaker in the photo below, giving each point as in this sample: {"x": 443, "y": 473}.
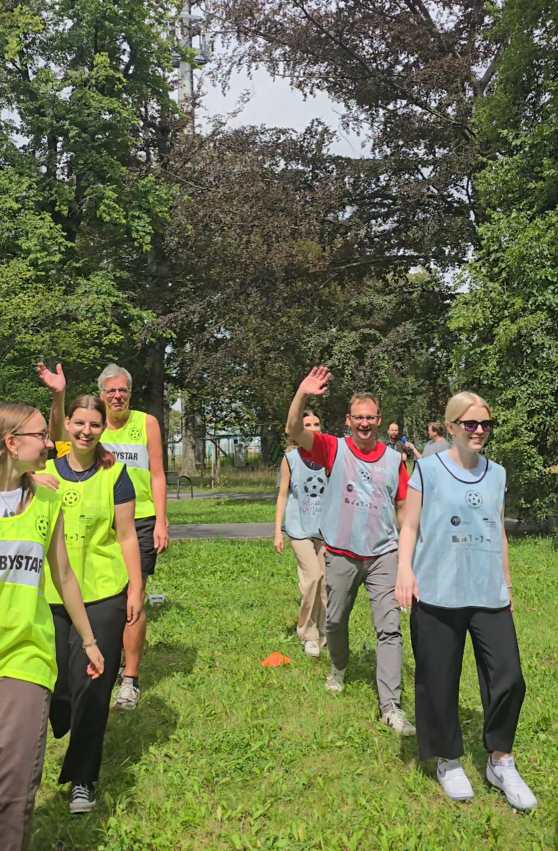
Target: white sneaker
{"x": 505, "y": 776}
{"x": 127, "y": 695}
{"x": 453, "y": 780}
{"x": 312, "y": 648}
{"x": 397, "y": 720}
{"x": 335, "y": 680}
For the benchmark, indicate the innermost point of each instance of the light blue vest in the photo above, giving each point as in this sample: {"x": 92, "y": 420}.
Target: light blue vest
{"x": 458, "y": 559}
{"x": 304, "y": 504}
{"x": 358, "y": 511}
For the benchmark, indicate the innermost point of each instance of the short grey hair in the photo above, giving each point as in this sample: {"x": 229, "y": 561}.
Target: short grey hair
{"x": 113, "y": 371}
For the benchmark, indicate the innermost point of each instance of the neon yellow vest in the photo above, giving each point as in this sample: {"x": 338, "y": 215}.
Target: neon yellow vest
{"x": 129, "y": 444}
{"x": 27, "y": 649}
{"x": 94, "y": 552}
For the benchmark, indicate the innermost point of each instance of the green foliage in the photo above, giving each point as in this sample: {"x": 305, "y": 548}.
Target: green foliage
{"x": 507, "y": 317}
{"x": 224, "y": 754}
{"x": 86, "y": 118}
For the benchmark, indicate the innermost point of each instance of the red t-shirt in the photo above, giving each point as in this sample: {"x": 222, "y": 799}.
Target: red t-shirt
{"x": 324, "y": 452}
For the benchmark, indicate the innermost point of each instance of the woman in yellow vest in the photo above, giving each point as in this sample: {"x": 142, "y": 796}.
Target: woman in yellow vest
{"x": 98, "y": 501}
{"x": 31, "y": 527}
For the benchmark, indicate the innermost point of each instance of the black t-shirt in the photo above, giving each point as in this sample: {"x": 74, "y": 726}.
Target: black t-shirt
{"x": 123, "y": 487}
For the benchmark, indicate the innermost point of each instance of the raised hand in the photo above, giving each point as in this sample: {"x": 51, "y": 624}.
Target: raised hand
{"x": 55, "y": 381}
{"x": 315, "y": 383}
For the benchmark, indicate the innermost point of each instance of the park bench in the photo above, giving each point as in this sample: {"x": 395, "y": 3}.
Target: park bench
{"x": 173, "y": 478}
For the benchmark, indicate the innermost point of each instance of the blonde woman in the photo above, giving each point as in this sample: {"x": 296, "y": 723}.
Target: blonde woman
{"x": 31, "y": 528}
{"x": 454, "y": 572}
{"x": 299, "y": 502}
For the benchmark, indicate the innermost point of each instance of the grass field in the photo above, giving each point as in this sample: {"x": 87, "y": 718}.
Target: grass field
{"x": 225, "y": 754}
{"x": 221, "y": 510}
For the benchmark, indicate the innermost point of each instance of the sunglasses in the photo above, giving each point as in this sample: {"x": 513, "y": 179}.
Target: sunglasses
{"x": 472, "y": 425}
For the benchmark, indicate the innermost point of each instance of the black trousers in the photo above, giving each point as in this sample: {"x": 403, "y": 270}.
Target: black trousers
{"x": 438, "y": 638}
{"x": 80, "y": 704}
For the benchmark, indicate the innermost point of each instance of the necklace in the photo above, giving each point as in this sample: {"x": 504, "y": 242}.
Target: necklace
{"x": 85, "y": 472}
{"x": 10, "y": 512}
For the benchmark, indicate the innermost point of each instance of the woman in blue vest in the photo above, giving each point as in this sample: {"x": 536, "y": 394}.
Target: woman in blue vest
{"x": 301, "y": 489}
{"x": 454, "y": 572}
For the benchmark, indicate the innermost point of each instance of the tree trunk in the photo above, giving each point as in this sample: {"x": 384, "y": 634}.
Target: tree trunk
{"x": 156, "y": 390}
{"x": 188, "y": 467}
{"x": 265, "y": 443}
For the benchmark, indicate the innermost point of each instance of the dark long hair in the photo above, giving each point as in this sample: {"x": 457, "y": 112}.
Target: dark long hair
{"x": 292, "y": 444}
{"x": 103, "y": 458}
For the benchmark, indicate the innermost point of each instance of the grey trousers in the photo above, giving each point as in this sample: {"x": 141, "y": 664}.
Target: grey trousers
{"x": 23, "y": 731}
{"x": 344, "y": 576}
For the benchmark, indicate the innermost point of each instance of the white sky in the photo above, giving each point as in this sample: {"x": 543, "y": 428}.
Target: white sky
{"x": 275, "y": 104}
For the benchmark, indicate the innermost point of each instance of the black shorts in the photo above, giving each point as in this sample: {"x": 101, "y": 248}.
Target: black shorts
{"x": 145, "y": 526}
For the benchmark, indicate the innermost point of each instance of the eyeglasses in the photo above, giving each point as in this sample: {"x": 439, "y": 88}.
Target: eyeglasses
{"x": 359, "y": 419}
{"x": 472, "y": 425}
{"x": 42, "y": 435}
{"x": 122, "y": 390}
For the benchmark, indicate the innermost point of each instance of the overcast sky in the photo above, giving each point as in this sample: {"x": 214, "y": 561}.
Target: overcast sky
{"x": 275, "y": 104}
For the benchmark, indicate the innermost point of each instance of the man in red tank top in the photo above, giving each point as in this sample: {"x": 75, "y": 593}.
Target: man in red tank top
{"x": 346, "y": 570}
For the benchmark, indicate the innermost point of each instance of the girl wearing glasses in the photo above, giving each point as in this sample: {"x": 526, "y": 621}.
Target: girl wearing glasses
{"x": 454, "y": 572}
{"x": 31, "y": 527}
{"x": 98, "y": 500}
{"x": 299, "y": 502}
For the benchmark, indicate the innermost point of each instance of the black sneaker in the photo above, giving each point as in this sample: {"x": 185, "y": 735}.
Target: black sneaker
{"x": 82, "y": 797}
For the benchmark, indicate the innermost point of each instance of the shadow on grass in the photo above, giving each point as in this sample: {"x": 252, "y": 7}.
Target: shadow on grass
{"x": 129, "y": 736}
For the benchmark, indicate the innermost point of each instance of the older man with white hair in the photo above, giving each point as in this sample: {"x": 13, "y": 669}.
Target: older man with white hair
{"x": 135, "y": 438}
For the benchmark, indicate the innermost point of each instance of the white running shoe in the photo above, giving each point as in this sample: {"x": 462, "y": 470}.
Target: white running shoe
{"x": 505, "y": 776}
{"x": 312, "y": 648}
{"x": 397, "y": 720}
{"x": 127, "y": 695}
{"x": 335, "y": 680}
{"x": 453, "y": 780}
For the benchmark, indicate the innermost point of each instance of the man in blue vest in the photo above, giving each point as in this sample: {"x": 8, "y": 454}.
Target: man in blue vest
{"x": 367, "y": 483}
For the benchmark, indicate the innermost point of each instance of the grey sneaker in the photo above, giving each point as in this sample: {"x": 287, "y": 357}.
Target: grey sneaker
{"x": 334, "y": 682}
{"x": 127, "y": 695}
{"x": 397, "y": 720}
{"x": 311, "y": 648}
{"x": 82, "y": 797}
{"x": 505, "y": 776}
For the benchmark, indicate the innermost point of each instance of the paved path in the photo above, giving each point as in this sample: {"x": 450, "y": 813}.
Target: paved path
{"x": 221, "y": 530}
{"x": 207, "y": 531}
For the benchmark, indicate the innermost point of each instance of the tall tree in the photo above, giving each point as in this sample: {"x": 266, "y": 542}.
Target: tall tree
{"x": 507, "y": 319}
{"x": 407, "y": 73}
{"x": 84, "y": 86}
{"x": 271, "y": 279}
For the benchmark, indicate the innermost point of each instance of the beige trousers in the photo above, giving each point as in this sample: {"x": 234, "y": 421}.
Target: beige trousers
{"x": 311, "y": 581}
{"x": 23, "y": 730}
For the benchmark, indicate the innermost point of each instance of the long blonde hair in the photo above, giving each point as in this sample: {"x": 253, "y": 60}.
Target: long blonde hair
{"x": 13, "y": 418}
{"x": 459, "y": 403}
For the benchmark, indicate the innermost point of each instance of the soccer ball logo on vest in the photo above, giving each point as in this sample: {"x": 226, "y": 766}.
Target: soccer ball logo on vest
{"x": 71, "y": 498}
{"x": 135, "y": 434}
{"x": 314, "y": 486}
{"x": 473, "y": 499}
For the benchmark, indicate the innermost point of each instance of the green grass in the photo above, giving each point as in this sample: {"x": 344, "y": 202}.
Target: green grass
{"x": 247, "y": 480}
{"x": 225, "y": 754}
{"x": 221, "y": 510}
